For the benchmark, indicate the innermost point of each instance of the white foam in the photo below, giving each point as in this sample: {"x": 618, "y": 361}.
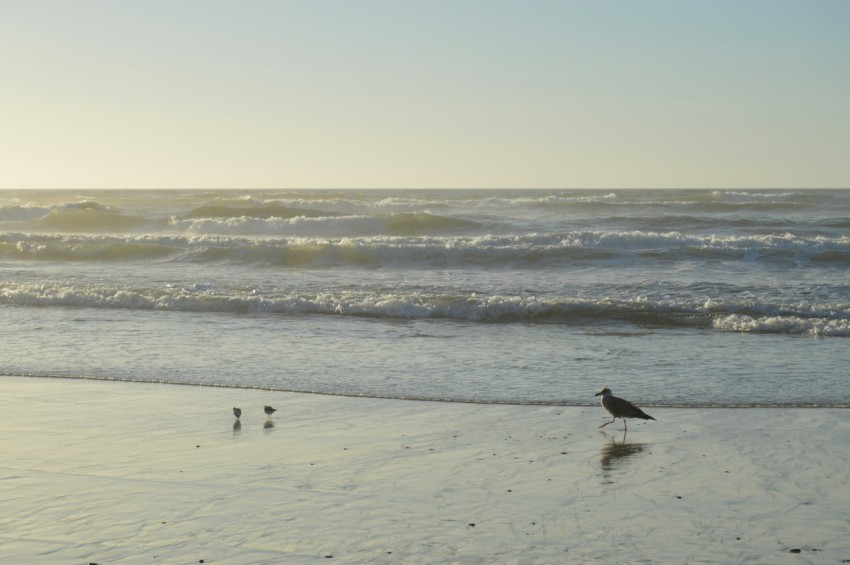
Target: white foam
{"x": 822, "y": 327}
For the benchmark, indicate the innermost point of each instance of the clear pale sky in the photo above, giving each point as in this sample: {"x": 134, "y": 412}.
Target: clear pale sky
{"x": 426, "y": 93}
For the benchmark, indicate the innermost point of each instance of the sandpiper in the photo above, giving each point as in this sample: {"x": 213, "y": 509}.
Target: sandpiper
{"x": 269, "y": 410}
{"x": 237, "y": 412}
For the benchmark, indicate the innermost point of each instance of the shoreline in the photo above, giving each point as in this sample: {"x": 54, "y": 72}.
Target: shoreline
{"x": 540, "y": 403}
{"x": 103, "y": 471}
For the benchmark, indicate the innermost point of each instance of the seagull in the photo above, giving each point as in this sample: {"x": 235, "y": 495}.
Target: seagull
{"x": 269, "y": 410}
{"x": 620, "y": 408}
{"x": 237, "y": 412}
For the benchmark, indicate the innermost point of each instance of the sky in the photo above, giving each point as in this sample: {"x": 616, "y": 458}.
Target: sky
{"x": 424, "y": 94}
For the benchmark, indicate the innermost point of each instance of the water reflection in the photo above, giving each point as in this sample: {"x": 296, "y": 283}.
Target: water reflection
{"x": 616, "y": 453}
{"x": 269, "y": 424}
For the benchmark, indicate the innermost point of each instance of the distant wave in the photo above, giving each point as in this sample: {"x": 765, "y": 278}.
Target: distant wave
{"x": 491, "y": 251}
{"x": 211, "y": 211}
{"x": 18, "y": 246}
{"x": 22, "y": 213}
{"x": 261, "y": 212}
{"x": 329, "y": 226}
{"x": 827, "y": 319}
{"x": 637, "y": 201}
{"x": 79, "y": 217}
{"x": 271, "y": 218}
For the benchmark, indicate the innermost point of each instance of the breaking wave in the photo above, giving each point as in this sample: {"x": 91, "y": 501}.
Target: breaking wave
{"x": 828, "y": 319}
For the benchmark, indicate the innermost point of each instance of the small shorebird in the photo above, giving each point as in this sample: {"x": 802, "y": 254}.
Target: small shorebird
{"x": 620, "y": 408}
{"x": 269, "y": 410}
{"x": 237, "y": 412}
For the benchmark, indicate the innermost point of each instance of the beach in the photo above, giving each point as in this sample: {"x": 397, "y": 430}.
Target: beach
{"x": 115, "y": 472}
{"x": 427, "y": 234}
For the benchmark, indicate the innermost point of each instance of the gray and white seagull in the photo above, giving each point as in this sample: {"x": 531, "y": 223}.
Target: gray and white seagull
{"x": 620, "y": 408}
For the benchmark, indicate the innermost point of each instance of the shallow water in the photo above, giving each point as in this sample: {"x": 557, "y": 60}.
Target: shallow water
{"x": 667, "y": 297}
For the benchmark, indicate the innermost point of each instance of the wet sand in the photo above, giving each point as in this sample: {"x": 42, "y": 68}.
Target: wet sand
{"x": 113, "y": 472}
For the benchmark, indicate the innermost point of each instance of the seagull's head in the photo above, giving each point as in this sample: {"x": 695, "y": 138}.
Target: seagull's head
{"x": 604, "y": 392}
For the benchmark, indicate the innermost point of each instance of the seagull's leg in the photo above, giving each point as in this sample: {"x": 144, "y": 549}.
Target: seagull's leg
{"x": 606, "y": 423}
{"x": 624, "y": 425}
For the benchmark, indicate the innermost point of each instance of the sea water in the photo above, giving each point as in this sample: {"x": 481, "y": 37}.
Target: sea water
{"x": 673, "y": 297}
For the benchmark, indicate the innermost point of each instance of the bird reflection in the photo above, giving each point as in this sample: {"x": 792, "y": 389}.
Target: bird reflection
{"x": 237, "y": 427}
{"x": 268, "y": 424}
{"x": 615, "y": 453}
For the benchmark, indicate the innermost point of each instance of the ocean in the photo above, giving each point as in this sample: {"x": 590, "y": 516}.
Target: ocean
{"x": 668, "y": 297}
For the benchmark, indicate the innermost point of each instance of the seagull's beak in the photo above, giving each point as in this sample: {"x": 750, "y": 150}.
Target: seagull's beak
{"x": 598, "y": 393}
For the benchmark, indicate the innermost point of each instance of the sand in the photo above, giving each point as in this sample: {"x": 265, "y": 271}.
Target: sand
{"x": 112, "y": 472}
